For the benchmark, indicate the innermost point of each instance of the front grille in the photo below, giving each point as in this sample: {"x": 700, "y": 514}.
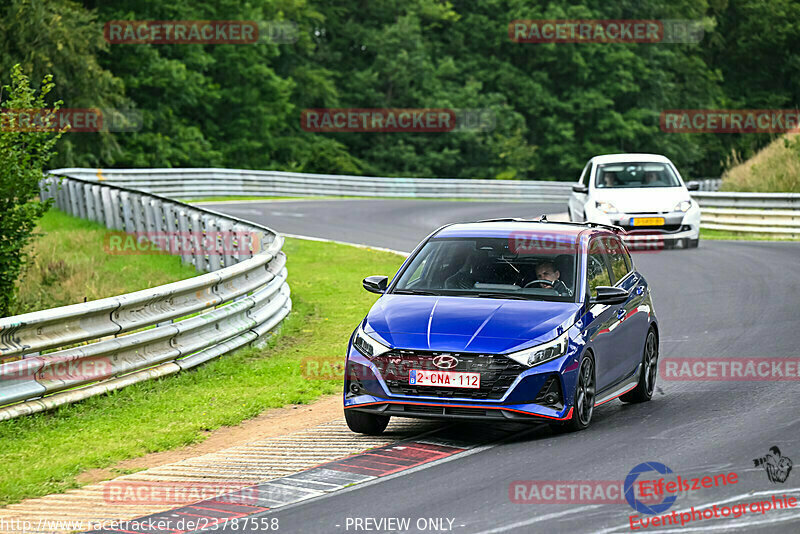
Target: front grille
{"x": 423, "y": 409}
{"x": 497, "y": 373}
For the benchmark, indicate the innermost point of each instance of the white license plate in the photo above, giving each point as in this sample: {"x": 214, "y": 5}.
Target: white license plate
{"x": 446, "y": 379}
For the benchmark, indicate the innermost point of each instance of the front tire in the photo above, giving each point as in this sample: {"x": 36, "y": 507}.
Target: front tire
{"x": 366, "y": 423}
{"x": 583, "y": 404}
{"x": 643, "y": 391}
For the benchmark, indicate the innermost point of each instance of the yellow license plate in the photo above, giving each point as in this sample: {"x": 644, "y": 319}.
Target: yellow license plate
{"x": 647, "y": 221}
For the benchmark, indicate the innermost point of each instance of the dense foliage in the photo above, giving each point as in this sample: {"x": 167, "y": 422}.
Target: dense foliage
{"x": 555, "y": 105}
{"x": 23, "y": 156}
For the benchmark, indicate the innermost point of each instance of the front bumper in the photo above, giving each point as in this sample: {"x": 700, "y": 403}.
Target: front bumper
{"x": 678, "y": 226}
{"x": 366, "y": 390}
{"x": 517, "y": 413}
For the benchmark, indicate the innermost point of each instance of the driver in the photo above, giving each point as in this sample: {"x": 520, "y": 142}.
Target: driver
{"x": 610, "y": 179}
{"x": 650, "y": 178}
{"x": 547, "y": 271}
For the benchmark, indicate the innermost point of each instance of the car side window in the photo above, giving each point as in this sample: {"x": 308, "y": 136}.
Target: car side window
{"x": 617, "y": 258}
{"x": 587, "y": 173}
{"x": 596, "y": 268}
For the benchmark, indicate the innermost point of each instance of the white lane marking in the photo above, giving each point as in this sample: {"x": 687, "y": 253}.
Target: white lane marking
{"x": 288, "y": 214}
{"x": 269, "y": 200}
{"x": 357, "y": 245}
{"x": 537, "y": 519}
{"x": 726, "y": 526}
{"x": 361, "y": 245}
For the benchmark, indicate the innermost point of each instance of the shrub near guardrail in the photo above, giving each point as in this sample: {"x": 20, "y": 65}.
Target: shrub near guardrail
{"x": 149, "y": 333}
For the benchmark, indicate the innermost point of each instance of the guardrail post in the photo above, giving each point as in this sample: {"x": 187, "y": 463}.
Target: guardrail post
{"x": 184, "y": 224}
{"x": 117, "y": 212}
{"x": 196, "y": 224}
{"x": 89, "y": 199}
{"x": 128, "y": 224}
{"x": 97, "y": 204}
{"x": 108, "y": 207}
{"x": 212, "y": 240}
{"x": 137, "y": 205}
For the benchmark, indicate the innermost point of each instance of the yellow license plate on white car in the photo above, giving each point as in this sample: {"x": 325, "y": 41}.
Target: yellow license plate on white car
{"x": 647, "y": 221}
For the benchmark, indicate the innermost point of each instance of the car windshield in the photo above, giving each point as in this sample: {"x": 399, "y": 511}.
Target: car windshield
{"x": 629, "y": 175}
{"x": 531, "y": 267}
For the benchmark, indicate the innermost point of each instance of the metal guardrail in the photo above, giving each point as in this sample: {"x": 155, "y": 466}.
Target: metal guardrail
{"x": 776, "y": 214}
{"x": 199, "y": 183}
{"x": 709, "y": 184}
{"x": 62, "y": 355}
{"x": 754, "y": 212}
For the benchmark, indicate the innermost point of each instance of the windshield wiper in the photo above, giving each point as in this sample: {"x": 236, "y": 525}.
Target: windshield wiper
{"x": 413, "y": 292}
{"x": 500, "y": 296}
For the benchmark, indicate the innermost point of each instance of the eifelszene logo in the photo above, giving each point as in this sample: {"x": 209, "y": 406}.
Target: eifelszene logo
{"x": 638, "y": 505}
{"x": 777, "y": 466}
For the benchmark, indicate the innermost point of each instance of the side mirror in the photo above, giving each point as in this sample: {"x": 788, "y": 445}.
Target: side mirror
{"x": 579, "y": 188}
{"x": 693, "y": 186}
{"x": 609, "y": 295}
{"x": 376, "y": 284}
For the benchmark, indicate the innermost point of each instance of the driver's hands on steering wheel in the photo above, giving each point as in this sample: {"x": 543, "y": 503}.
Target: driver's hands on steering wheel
{"x": 541, "y": 281}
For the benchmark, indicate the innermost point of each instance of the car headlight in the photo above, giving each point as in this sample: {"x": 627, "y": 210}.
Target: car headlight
{"x": 542, "y": 353}
{"x": 368, "y": 346}
{"x": 683, "y": 206}
{"x": 605, "y": 207}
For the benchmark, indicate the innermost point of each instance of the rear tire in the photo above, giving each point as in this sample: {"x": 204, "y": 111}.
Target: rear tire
{"x": 583, "y": 403}
{"x": 643, "y": 391}
{"x": 366, "y": 423}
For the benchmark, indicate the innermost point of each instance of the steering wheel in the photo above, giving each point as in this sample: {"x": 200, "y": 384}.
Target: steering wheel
{"x": 548, "y": 282}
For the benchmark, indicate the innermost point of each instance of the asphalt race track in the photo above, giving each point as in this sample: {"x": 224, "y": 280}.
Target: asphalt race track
{"x": 728, "y": 299}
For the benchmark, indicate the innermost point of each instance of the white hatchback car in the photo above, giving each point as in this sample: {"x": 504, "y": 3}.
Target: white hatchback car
{"x": 642, "y": 193}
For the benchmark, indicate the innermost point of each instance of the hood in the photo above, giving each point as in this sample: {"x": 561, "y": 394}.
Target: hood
{"x": 643, "y": 200}
{"x": 463, "y": 324}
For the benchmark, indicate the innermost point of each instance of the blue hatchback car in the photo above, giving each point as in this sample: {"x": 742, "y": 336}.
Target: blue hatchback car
{"x": 505, "y": 320}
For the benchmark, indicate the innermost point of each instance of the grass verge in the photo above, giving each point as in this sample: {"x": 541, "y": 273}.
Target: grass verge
{"x": 722, "y": 235}
{"x": 44, "y": 453}
{"x": 69, "y": 264}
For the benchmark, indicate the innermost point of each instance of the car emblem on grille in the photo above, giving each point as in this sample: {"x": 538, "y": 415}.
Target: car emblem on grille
{"x": 445, "y": 361}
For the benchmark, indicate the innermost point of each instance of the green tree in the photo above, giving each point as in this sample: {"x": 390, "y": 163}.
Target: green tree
{"x": 23, "y": 156}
